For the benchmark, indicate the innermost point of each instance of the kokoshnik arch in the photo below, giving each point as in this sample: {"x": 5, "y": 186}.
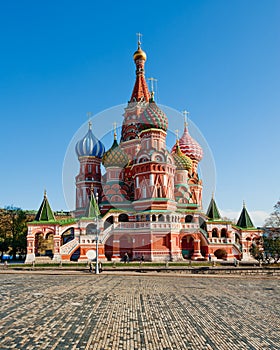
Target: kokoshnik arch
{"x": 148, "y": 203}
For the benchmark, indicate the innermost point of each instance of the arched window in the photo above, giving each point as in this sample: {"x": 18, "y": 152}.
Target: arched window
{"x": 91, "y": 229}
{"x": 188, "y": 218}
{"x": 154, "y": 217}
{"x": 215, "y": 232}
{"x": 161, "y": 217}
{"x": 224, "y": 233}
{"x": 123, "y": 218}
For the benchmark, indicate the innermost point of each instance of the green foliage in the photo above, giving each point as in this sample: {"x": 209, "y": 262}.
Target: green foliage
{"x": 271, "y": 249}
{"x": 257, "y": 252}
{"x": 13, "y": 231}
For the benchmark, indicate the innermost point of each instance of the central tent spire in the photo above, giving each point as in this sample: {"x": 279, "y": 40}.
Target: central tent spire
{"x": 140, "y": 91}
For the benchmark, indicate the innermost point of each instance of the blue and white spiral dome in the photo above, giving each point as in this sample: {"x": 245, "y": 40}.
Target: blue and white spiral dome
{"x": 90, "y": 146}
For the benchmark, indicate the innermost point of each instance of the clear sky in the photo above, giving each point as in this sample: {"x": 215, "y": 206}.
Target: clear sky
{"x": 219, "y": 59}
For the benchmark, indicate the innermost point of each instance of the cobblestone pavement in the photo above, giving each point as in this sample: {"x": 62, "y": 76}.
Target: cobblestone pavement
{"x": 138, "y": 312}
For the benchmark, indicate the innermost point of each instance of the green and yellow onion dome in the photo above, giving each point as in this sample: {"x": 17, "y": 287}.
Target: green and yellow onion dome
{"x": 182, "y": 162}
{"x": 115, "y": 156}
{"x": 153, "y": 118}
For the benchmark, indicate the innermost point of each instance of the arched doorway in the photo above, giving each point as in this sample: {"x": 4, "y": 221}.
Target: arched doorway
{"x": 75, "y": 256}
{"x": 49, "y": 244}
{"x": 220, "y": 254}
{"x": 67, "y": 236}
{"x": 108, "y": 222}
{"x": 39, "y": 244}
{"x": 44, "y": 246}
{"x": 126, "y": 246}
{"x": 108, "y": 248}
{"x": 187, "y": 247}
{"x": 91, "y": 229}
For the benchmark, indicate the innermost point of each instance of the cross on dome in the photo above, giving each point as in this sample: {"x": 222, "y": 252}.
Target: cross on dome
{"x": 185, "y": 114}
{"x": 139, "y": 39}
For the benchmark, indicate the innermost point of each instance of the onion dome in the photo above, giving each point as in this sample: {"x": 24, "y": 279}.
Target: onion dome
{"x": 89, "y": 145}
{"x": 115, "y": 156}
{"x": 153, "y": 117}
{"x": 189, "y": 146}
{"x": 139, "y": 54}
{"x": 182, "y": 162}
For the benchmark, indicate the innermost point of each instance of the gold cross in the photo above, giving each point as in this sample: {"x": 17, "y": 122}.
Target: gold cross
{"x": 89, "y": 114}
{"x": 139, "y": 39}
{"x": 177, "y": 134}
{"x": 185, "y": 114}
{"x": 115, "y": 130}
{"x": 152, "y": 80}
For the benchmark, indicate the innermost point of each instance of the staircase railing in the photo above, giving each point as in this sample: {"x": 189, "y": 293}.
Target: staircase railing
{"x": 68, "y": 247}
{"x": 105, "y": 234}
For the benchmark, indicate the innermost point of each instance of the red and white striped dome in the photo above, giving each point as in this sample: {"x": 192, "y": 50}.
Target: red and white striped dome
{"x": 189, "y": 146}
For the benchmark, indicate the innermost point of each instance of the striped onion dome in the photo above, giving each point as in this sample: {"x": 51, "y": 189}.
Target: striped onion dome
{"x": 89, "y": 145}
{"x": 115, "y": 156}
{"x": 189, "y": 146}
{"x": 182, "y": 162}
{"x": 153, "y": 117}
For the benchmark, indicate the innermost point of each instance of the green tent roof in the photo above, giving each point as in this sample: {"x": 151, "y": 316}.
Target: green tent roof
{"x": 213, "y": 211}
{"x": 92, "y": 210}
{"x": 45, "y": 212}
{"x": 244, "y": 220}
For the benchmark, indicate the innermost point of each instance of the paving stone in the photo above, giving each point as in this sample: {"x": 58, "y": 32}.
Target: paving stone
{"x": 138, "y": 312}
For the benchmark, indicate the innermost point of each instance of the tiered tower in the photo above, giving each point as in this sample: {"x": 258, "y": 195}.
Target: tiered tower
{"x": 154, "y": 169}
{"x": 89, "y": 151}
{"x": 139, "y": 100}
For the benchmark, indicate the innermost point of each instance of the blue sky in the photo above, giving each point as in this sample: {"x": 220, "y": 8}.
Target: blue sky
{"x": 219, "y": 59}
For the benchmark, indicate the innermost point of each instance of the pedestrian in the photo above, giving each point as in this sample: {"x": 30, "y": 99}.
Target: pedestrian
{"x": 90, "y": 267}
{"x": 209, "y": 257}
{"x": 125, "y": 257}
{"x": 235, "y": 262}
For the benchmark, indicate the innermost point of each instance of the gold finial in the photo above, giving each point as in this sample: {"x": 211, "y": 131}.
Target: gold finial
{"x": 45, "y": 193}
{"x": 177, "y": 134}
{"x": 213, "y": 195}
{"x": 115, "y": 130}
{"x": 139, "y": 40}
{"x": 244, "y": 205}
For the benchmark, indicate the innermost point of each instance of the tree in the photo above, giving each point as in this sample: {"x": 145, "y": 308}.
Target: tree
{"x": 256, "y": 250}
{"x": 13, "y": 231}
{"x": 271, "y": 247}
{"x": 274, "y": 218}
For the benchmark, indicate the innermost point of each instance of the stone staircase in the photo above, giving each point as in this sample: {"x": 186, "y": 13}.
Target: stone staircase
{"x": 43, "y": 260}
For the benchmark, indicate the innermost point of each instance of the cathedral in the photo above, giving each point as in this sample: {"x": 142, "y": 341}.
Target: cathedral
{"x": 146, "y": 205}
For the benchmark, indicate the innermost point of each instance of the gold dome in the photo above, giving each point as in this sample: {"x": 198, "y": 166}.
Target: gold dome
{"x": 139, "y": 55}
